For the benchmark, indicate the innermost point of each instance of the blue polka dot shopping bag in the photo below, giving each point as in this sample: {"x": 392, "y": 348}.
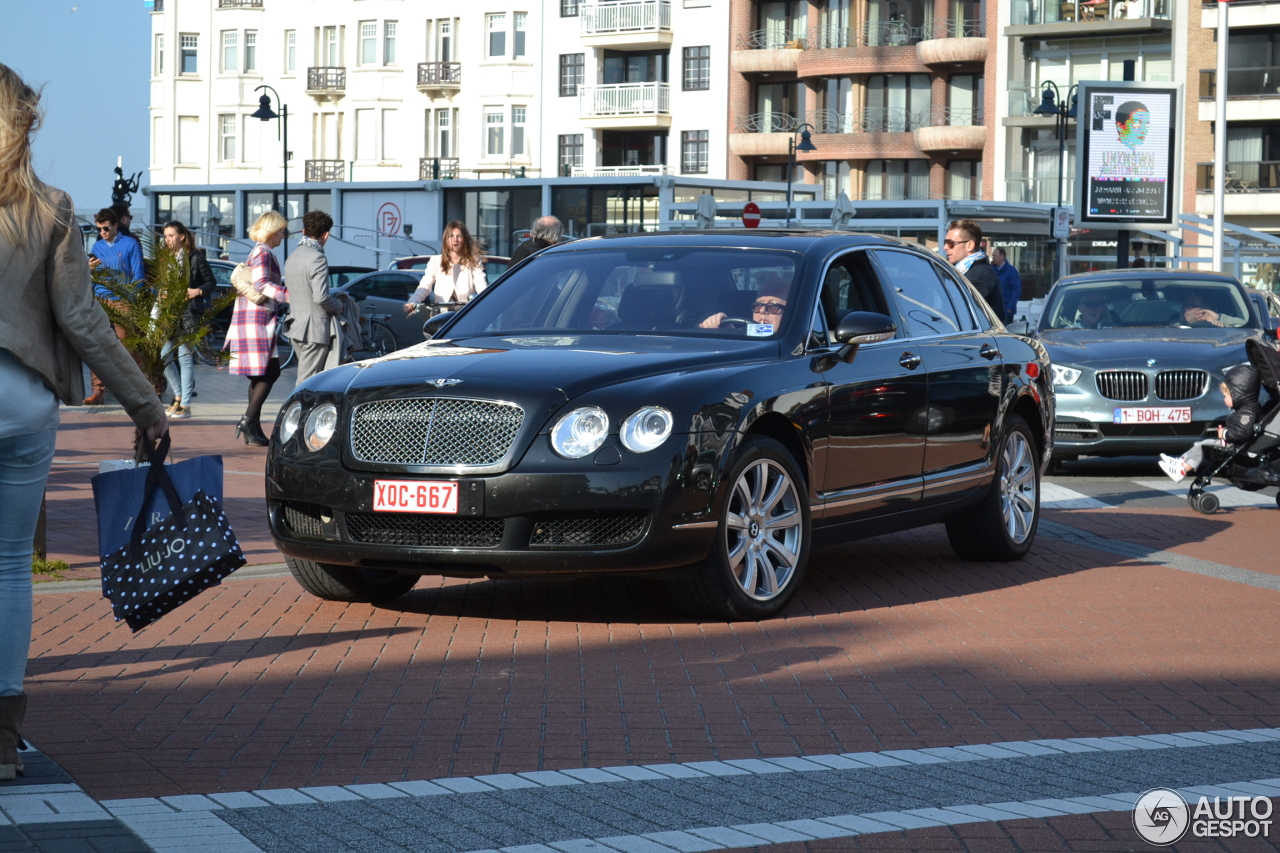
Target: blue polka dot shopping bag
{"x": 171, "y": 560}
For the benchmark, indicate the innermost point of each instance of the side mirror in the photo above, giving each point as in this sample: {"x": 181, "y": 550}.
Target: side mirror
{"x": 435, "y": 324}
{"x": 1021, "y": 327}
{"x": 855, "y": 329}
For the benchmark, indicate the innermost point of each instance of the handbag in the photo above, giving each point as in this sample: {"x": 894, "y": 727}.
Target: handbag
{"x": 242, "y": 281}
{"x": 169, "y": 562}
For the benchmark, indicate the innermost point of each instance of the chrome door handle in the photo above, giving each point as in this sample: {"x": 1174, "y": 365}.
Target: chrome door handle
{"x": 909, "y": 360}
{"x": 988, "y": 352}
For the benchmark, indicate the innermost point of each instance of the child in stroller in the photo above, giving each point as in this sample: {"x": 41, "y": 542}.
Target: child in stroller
{"x": 1247, "y": 450}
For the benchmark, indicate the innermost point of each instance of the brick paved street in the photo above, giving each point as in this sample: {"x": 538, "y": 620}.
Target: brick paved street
{"x": 1132, "y": 616}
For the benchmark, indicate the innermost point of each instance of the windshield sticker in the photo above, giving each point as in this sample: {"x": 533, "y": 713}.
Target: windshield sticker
{"x": 759, "y": 330}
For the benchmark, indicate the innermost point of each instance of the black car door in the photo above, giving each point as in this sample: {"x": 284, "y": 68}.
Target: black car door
{"x": 963, "y": 365}
{"x": 872, "y": 454}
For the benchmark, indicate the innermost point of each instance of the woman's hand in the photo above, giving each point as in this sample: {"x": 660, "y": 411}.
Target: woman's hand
{"x": 712, "y": 322}
{"x": 410, "y": 307}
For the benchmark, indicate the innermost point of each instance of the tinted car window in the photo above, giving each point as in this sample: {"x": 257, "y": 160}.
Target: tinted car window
{"x": 963, "y": 312}
{"x": 665, "y": 290}
{"x": 850, "y": 285}
{"x": 386, "y": 286}
{"x": 921, "y": 298}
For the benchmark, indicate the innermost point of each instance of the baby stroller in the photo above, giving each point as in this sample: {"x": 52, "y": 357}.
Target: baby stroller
{"x": 1255, "y": 464}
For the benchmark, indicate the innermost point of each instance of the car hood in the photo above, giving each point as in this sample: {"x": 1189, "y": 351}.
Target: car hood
{"x": 1128, "y": 347}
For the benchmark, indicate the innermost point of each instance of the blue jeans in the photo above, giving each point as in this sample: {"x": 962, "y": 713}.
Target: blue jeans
{"x": 180, "y": 373}
{"x": 24, "y": 468}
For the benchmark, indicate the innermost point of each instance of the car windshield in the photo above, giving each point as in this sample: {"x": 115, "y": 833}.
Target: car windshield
{"x": 655, "y": 290}
{"x": 1133, "y": 303}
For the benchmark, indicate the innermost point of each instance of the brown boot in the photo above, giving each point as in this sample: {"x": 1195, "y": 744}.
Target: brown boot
{"x": 12, "y": 710}
{"x": 97, "y": 398}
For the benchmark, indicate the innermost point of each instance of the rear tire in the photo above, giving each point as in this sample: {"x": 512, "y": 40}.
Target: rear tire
{"x": 348, "y": 583}
{"x": 762, "y": 541}
{"x": 1003, "y": 525}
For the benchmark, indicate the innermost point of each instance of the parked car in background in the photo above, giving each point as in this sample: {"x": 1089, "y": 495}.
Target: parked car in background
{"x": 701, "y": 407}
{"x": 1138, "y": 356}
{"x": 1268, "y": 304}
{"x": 386, "y": 292}
{"x": 339, "y": 276}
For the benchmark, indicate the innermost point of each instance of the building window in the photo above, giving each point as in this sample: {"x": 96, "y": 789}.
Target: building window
{"x": 389, "y": 43}
{"x": 897, "y": 103}
{"x": 964, "y": 99}
{"x": 694, "y": 150}
{"x": 444, "y": 40}
{"x": 159, "y": 54}
{"x": 570, "y": 74}
{"x": 517, "y": 41}
{"x": 187, "y": 54}
{"x": 837, "y": 178}
{"x": 697, "y": 68}
{"x": 226, "y": 138}
{"x": 290, "y": 51}
{"x": 331, "y": 48}
{"x": 444, "y": 133}
{"x": 494, "y": 121}
{"x": 964, "y": 180}
{"x": 390, "y": 120}
{"x": 568, "y": 8}
{"x": 230, "y": 51}
{"x": 368, "y": 42}
{"x": 517, "y": 132}
{"x": 496, "y": 25}
{"x": 897, "y": 180}
{"x": 570, "y": 154}
{"x": 250, "y": 50}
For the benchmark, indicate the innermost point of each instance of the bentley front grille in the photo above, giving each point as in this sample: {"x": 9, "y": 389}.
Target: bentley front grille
{"x": 424, "y": 531}
{"x": 1181, "y": 384}
{"x": 589, "y": 529}
{"x": 1122, "y": 384}
{"x": 434, "y": 431}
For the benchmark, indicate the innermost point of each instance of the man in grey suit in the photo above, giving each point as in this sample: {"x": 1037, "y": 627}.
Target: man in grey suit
{"x": 311, "y": 306}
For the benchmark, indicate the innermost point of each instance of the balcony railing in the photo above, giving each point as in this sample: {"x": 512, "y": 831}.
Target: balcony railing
{"x": 618, "y": 171}
{"x": 766, "y": 123}
{"x": 325, "y": 171}
{"x": 773, "y": 39}
{"x": 884, "y": 34}
{"x": 952, "y": 28}
{"x": 1258, "y": 82}
{"x": 625, "y": 99}
{"x": 441, "y": 74}
{"x": 1084, "y": 11}
{"x": 437, "y": 168}
{"x": 239, "y": 4}
{"x": 627, "y": 16}
{"x": 1038, "y": 189}
{"x": 327, "y": 78}
{"x": 871, "y": 120}
{"x": 1242, "y": 176}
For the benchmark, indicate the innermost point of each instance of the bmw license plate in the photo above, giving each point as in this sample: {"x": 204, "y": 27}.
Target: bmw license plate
{"x": 1153, "y": 415}
{"x": 415, "y": 496}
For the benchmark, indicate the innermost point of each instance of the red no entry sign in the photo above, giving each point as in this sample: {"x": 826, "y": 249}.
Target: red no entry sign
{"x": 751, "y": 215}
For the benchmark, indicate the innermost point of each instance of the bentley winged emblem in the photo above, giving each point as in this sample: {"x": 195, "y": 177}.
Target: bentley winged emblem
{"x": 444, "y": 383}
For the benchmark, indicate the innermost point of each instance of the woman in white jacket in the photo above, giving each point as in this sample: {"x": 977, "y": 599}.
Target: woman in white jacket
{"x": 454, "y": 275}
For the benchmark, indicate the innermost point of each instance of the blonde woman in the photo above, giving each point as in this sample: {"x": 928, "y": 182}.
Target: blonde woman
{"x": 252, "y": 336}
{"x": 49, "y": 322}
{"x": 454, "y": 275}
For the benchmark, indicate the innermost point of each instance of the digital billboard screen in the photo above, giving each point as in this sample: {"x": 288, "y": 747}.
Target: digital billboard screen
{"x": 1127, "y": 146}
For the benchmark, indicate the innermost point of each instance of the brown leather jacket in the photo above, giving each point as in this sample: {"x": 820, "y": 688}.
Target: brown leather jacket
{"x": 50, "y": 320}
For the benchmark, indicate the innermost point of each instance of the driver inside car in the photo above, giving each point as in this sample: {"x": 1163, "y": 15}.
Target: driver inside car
{"x": 1194, "y": 311}
{"x": 771, "y": 301}
{"x": 1093, "y": 313}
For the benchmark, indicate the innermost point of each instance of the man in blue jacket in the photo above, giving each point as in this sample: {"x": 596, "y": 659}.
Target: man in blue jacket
{"x": 122, "y": 254}
{"x": 1010, "y": 282}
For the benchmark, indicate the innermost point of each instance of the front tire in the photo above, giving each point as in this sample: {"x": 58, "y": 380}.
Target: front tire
{"x": 762, "y": 541}
{"x": 348, "y": 583}
{"x": 1003, "y": 526}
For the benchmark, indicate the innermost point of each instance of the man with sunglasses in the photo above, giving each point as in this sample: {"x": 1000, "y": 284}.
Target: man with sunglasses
{"x": 1093, "y": 313}
{"x": 963, "y": 247}
{"x": 122, "y": 255}
{"x": 771, "y": 302}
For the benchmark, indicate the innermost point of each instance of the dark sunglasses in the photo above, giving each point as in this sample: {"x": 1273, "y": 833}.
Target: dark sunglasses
{"x": 104, "y": 227}
{"x": 1093, "y": 304}
{"x": 951, "y": 243}
{"x": 768, "y": 307}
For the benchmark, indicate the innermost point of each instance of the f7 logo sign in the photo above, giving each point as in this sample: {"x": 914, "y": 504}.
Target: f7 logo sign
{"x": 389, "y": 219}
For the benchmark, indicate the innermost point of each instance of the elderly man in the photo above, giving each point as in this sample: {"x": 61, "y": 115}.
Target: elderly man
{"x": 546, "y": 231}
{"x": 963, "y": 246}
{"x": 311, "y": 306}
{"x": 1093, "y": 313}
{"x": 766, "y": 311}
{"x": 1194, "y": 311}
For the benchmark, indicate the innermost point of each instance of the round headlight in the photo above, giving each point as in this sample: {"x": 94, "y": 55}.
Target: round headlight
{"x": 580, "y": 432}
{"x": 321, "y": 424}
{"x": 1064, "y": 375}
{"x": 289, "y": 424}
{"x": 645, "y": 429}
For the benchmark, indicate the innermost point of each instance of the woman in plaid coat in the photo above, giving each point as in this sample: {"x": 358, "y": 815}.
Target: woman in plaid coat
{"x": 252, "y": 336}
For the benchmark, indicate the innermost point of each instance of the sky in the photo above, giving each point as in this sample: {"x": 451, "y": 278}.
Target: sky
{"x": 93, "y": 59}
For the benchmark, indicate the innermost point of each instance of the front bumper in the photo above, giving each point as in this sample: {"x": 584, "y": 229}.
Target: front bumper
{"x": 1081, "y": 430}
{"x": 546, "y": 515}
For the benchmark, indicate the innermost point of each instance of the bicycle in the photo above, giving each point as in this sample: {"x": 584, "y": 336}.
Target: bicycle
{"x": 376, "y": 337}
{"x": 207, "y": 352}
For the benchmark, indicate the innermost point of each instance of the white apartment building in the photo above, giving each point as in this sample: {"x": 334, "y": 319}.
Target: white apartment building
{"x": 414, "y": 90}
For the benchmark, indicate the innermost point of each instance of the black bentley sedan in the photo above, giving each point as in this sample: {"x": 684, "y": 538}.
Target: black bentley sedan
{"x": 701, "y": 406}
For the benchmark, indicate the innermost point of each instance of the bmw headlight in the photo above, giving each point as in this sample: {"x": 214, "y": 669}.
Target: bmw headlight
{"x": 289, "y": 424}
{"x": 645, "y": 429}
{"x": 580, "y": 432}
{"x": 321, "y": 424}
{"x": 1064, "y": 375}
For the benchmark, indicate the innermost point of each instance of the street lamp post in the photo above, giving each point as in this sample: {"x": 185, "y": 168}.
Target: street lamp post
{"x": 265, "y": 113}
{"x": 805, "y": 144}
{"x": 1052, "y": 103}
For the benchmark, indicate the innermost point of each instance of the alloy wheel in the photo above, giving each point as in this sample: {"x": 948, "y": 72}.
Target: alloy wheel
{"x": 764, "y": 530}
{"x": 1018, "y": 487}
